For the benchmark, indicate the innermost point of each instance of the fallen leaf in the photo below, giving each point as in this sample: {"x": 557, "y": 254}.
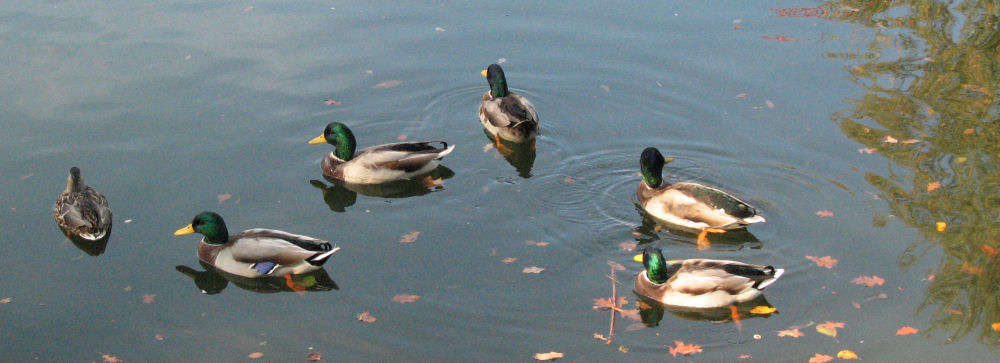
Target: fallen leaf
{"x": 224, "y": 197}
{"x": 825, "y": 261}
{"x": 533, "y": 270}
{"x": 255, "y": 355}
{"x": 548, "y": 356}
{"x": 995, "y": 326}
{"x": 438, "y": 29}
{"x": 856, "y": 305}
{"x": 569, "y": 180}
{"x": 941, "y": 226}
{"x": 606, "y": 303}
{"x": 868, "y": 280}
{"x": 600, "y": 337}
{"x": 989, "y": 250}
{"x": 742, "y": 96}
{"x": 313, "y": 357}
{"x": 622, "y": 348}
{"x": 331, "y": 102}
{"x": 932, "y": 186}
{"x": 366, "y": 317}
{"x": 26, "y": 176}
{"x": 432, "y": 183}
{"x": 401, "y": 137}
{"x": 409, "y": 237}
{"x": 685, "y": 349}
{"x": 969, "y": 131}
{"x": 631, "y": 314}
{"x": 487, "y": 147}
{"x": 824, "y": 213}
{"x": 867, "y": 150}
{"x": 605, "y": 88}
{"x": 829, "y": 328}
{"x": 820, "y": 358}
{"x": 5, "y": 300}
{"x": 107, "y": 358}
{"x": 158, "y": 337}
{"x": 971, "y": 269}
{"x": 628, "y": 245}
{"x": 763, "y": 310}
{"x": 745, "y": 356}
{"x": 769, "y": 103}
{"x": 847, "y": 354}
{"x": 536, "y": 243}
{"x": 509, "y": 260}
{"x": 148, "y": 298}
{"x": 890, "y": 139}
{"x": 388, "y": 84}
{"x": 955, "y": 312}
{"x": 909, "y": 141}
{"x": 906, "y": 330}
{"x": 794, "y": 333}
{"x": 405, "y": 298}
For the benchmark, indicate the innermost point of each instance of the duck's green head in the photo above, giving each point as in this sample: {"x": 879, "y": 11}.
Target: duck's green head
{"x": 656, "y": 266}
{"x": 498, "y": 83}
{"x": 209, "y": 225}
{"x": 651, "y": 164}
{"x": 341, "y": 137}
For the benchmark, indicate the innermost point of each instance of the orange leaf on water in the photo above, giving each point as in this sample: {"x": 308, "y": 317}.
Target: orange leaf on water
{"x": 825, "y": 261}
{"x": 606, "y": 303}
{"x": 906, "y": 330}
{"x": 971, "y": 269}
{"x": 685, "y": 349}
{"x": 255, "y": 355}
{"x": 847, "y": 354}
{"x": 824, "y": 213}
{"x": 331, "y": 102}
{"x": 409, "y": 237}
{"x": 366, "y": 317}
{"x": 401, "y": 137}
{"x": 794, "y": 333}
{"x": 548, "y": 356}
{"x": 107, "y": 358}
{"x": 509, "y": 260}
{"x": 941, "y": 226}
{"x": 536, "y": 243}
{"x": 745, "y": 356}
{"x": 224, "y": 197}
{"x": 989, "y": 250}
{"x": 995, "y": 326}
{"x": 148, "y": 298}
{"x": 533, "y": 270}
{"x": 932, "y": 186}
{"x": 868, "y": 280}
{"x": 829, "y": 328}
{"x": 432, "y": 183}
{"x": 405, "y": 298}
{"x": 820, "y": 358}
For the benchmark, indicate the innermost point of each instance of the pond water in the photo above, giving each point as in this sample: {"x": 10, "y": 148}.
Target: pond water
{"x": 855, "y": 127}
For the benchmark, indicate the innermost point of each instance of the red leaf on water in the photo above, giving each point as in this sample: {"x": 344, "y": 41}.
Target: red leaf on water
{"x": 824, "y": 213}
{"x": 606, "y": 303}
{"x": 331, "y": 102}
{"x": 685, "y": 349}
{"x": 794, "y": 333}
{"x": 313, "y": 357}
{"x": 148, "y": 298}
{"x": 825, "y": 261}
{"x": 906, "y": 330}
{"x": 868, "y": 280}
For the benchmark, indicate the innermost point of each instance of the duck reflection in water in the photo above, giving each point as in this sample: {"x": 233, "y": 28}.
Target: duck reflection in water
{"x": 520, "y": 155}
{"x": 339, "y": 195}
{"x": 212, "y": 281}
{"x": 91, "y": 247}
{"x": 732, "y": 240}
{"x": 651, "y": 311}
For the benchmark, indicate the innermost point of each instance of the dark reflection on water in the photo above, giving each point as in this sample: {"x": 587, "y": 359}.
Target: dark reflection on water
{"x": 520, "y": 155}
{"x": 651, "y": 228}
{"x": 339, "y": 195}
{"x": 212, "y": 281}
{"x": 93, "y": 248}
{"x": 651, "y": 311}
{"x": 931, "y": 78}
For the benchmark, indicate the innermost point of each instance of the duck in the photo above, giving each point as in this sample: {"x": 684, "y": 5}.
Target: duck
{"x": 377, "y": 164}
{"x": 505, "y": 114}
{"x": 701, "y": 283}
{"x": 82, "y": 211}
{"x": 256, "y": 252}
{"x": 689, "y": 205}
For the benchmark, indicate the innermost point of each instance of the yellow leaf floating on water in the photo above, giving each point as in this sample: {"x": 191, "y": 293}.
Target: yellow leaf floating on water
{"x": 763, "y": 310}
{"x": 548, "y": 356}
{"x": 847, "y": 354}
{"x": 820, "y": 358}
{"x": 996, "y": 326}
{"x": 829, "y": 328}
{"x": 941, "y": 226}
{"x": 255, "y": 355}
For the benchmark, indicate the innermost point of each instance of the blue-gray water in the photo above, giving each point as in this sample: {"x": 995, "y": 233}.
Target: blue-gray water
{"x": 167, "y": 105}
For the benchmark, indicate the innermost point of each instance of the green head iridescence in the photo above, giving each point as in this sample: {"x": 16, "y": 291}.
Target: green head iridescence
{"x": 651, "y": 165}
{"x": 212, "y": 227}
{"x": 498, "y": 83}
{"x": 656, "y": 267}
{"x": 341, "y": 137}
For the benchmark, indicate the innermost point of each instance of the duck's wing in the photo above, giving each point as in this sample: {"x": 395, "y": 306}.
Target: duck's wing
{"x": 282, "y": 248}
{"x": 509, "y": 110}
{"x": 701, "y": 276}
{"x": 403, "y": 156}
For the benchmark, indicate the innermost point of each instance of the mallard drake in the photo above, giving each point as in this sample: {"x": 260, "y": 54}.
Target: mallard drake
{"x": 256, "y": 252}
{"x": 689, "y": 205}
{"x": 81, "y": 211}
{"x": 505, "y": 114}
{"x": 701, "y": 283}
{"x": 377, "y": 164}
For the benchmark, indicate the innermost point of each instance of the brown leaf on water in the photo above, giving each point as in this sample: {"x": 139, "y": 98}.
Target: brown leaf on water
{"x": 989, "y": 250}
{"x": 224, "y": 197}
{"x": 906, "y": 330}
{"x": 255, "y": 355}
{"x": 509, "y": 260}
{"x": 820, "y": 358}
{"x": 5, "y": 300}
{"x": 107, "y": 358}
{"x": 536, "y": 243}
{"x": 314, "y": 357}
{"x": 548, "y": 356}
{"x": 685, "y": 349}
{"x": 868, "y": 280}
{"x": 769, "y": 104}
{"x": 366, "y": 317}
{"x": 533, "y": 270}
{"x": 932, "y": 186}
{"x": 432, "y": 183}
{"x": 628, "y": 245}
{"x": 971, "y": 269}
{"x": 389, "y": 84}
{"x": 569, "y": 180}
{"x": 405, "y": 298}
{"x": 824, "y": 213}
{"x": 829, "y": 328}
{"x": 331, "y": 102}
{"x": 825, "y": 261}
{"x": 26, "y": 176}
{"x": 606, "y": 303}
{"x": 409, "y": 237}
{"x": 148, "y": 298}
{"x": 794, "y": 333}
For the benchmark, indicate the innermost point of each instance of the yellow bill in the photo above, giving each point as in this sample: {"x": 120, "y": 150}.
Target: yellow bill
{"x": 189, "y": 229}
{"x": 668, "y": 160}
{"x": 483, "y": 73}
{"x": 318, "y": 140}
{"x": 637, "y": 258}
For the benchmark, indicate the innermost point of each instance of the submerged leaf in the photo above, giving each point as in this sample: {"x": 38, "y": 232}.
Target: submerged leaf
{"x": 829, "y": 328}
{"x": 606, "y": 303}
